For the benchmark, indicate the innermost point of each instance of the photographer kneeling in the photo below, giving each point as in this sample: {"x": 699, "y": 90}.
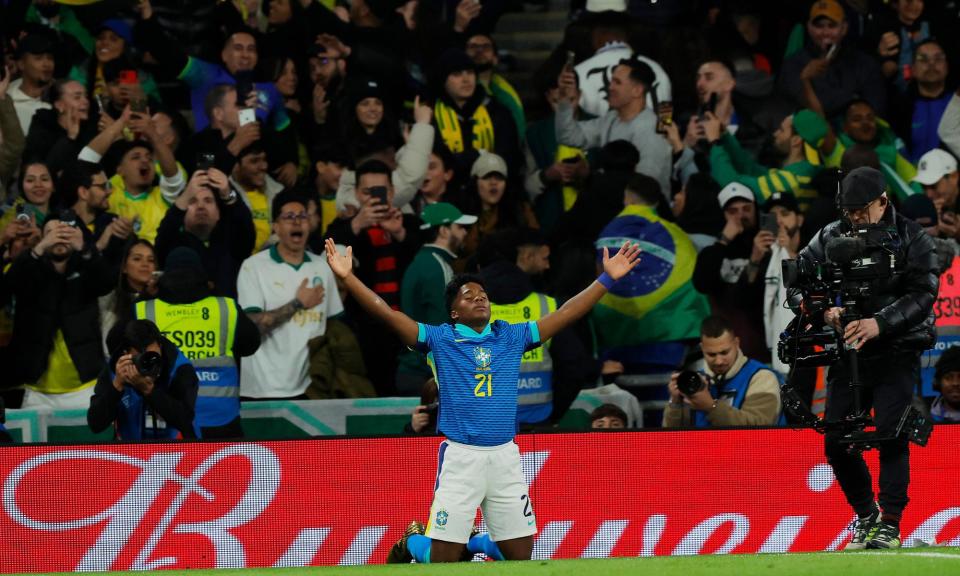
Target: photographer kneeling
{"x": 735, "y": 391}
{"x": 896, "y": 323}
{"x": 149, "y": 388}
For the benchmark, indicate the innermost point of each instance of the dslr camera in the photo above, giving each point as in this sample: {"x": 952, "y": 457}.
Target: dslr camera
{"x": 690, "y": 382}
{"x": 149, "y": 364}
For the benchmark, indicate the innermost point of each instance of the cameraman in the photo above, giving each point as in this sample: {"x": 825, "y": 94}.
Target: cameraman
{"x": 897, "y": 324}
{"x": 737, "y": 391}
{"x": 148, "y": 390}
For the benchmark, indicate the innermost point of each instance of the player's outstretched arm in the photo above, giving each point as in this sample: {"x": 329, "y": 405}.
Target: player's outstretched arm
{"x": 342, "y": 266}
{"x": 613, "y": 269}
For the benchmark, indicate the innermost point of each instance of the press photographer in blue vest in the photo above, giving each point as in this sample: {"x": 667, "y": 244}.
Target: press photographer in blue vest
{"x": 149, "y": 388}
{"x": 733, "y": 390}
{"x": 213, "y": 333}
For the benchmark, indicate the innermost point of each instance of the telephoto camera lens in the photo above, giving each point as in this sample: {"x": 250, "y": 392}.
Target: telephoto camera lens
{"x": 148, "y": 364}
{"x": 689, "y": 383}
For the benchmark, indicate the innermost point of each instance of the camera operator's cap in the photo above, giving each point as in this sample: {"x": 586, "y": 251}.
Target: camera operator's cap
{"x": 934, "y": 165}
{"x": 734, "y": 191}
{"x": 920, "y": 209}
{"x": 488, "y": 163}
{"x": 860, "y": 187}
{"x": 444, "y": 213}
{"x": 36, "y": 44}
{"x": 827, "y": 8}
{"x": 785, "y": 199}
{"x": 182, "y": 258}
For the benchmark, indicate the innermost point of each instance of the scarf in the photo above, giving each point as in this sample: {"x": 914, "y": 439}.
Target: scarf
{"x": 448, "y": 122}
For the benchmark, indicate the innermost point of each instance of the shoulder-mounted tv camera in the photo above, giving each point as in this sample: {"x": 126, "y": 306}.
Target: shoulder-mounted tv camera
{"x": 856, "y": 261}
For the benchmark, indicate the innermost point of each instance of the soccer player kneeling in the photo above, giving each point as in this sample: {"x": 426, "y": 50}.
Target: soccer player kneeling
{"x": 477, "y": 365}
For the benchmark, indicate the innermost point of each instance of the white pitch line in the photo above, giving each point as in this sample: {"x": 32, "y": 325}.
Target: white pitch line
{"x": 934, "y": 555}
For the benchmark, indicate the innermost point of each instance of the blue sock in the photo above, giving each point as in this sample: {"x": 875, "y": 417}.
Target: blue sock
{"x": 419, "y": 547}
{"x": 481, "y": 543}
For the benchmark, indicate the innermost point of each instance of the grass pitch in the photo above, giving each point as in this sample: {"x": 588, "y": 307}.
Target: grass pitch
{"x": 904, "y": 562}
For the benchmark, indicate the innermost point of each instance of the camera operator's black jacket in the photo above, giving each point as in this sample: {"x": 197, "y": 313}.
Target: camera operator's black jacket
{"x": 903, "y": 304}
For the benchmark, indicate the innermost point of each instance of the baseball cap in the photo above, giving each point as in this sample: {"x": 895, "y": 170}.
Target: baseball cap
{"x": 118, "y": 27}
{"x": 488, "y": 163}
{"x": 828, "y": 8}
{"x": 933, "y": 166}
{"x": 860, "y": 187}
{"x": 809, "y": 126}
{"x": 443, "y": 213}
{"x": 732, "y": 191}
{"x": 812, "y": 129}
{"x": 785, "y": 199}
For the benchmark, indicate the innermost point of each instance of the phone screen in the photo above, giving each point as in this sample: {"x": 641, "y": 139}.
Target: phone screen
{"x": 205, "y": 161}
{"x": 768, "y": 222}
{"x": 831, "y": 52}
{"x": 247, "y": 115}
{"x": 379, "y": 192}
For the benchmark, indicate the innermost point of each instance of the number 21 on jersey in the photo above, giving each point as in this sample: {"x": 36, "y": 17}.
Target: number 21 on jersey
{"x": 484, "y": 385}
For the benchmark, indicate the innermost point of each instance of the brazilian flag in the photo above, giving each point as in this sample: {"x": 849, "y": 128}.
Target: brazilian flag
{"x": 656, "y": 301}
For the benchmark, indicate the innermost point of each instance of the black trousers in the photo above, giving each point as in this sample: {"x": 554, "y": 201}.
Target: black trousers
{"x": 889, "y": 382}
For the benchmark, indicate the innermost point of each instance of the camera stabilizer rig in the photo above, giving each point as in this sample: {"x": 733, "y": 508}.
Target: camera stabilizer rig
{"x": 856, "y": 262}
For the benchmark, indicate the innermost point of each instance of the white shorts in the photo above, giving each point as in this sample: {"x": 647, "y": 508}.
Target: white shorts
{"x": 492, "y": 479}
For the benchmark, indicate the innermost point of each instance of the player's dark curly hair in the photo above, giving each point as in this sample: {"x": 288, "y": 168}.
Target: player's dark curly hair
{"x": 453, "y": 287}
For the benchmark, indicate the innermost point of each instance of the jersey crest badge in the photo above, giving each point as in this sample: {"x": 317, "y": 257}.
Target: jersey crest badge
{"x": 482, "y": 357}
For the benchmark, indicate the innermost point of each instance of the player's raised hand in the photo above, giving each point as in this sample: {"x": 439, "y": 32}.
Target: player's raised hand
{"x": 341, "y": 264}
{"x": 623, "y": 261}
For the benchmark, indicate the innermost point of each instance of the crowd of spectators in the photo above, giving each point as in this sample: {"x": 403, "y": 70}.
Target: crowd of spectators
{"x": 246, "y": 132}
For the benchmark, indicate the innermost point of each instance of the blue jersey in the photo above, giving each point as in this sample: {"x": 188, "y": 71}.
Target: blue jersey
{"x": 477, "y": 378}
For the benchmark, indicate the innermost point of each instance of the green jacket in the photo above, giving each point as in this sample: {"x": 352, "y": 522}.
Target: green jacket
{"x": 423, "y": 296}
{"x": 731, "y": 163}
